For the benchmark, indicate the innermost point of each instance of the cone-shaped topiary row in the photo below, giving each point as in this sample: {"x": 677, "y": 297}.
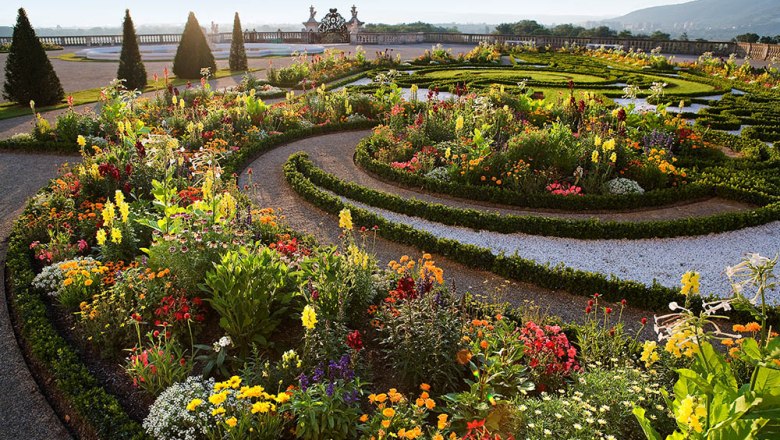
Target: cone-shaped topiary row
{"x": 29, "y": 75}
{"x": 237, "y": 51}
{"x": 193, "y": 53}
{"x": 131, "y": 68}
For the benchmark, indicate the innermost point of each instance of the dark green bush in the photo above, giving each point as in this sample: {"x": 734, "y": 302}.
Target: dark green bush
{"x": 131, "y": 68}
{"x": 193, "y": 53}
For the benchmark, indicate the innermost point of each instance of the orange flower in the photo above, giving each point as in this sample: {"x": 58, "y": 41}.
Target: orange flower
{"x": 753, "y": 327}
{"x": 738, "y": 328}
{"x": 464, "y": 356}
{"x": 483, "y": 344}
{"x": 425, "y": 387}
{"x": 364, "y": 418}
{"x": 727, "y": 342}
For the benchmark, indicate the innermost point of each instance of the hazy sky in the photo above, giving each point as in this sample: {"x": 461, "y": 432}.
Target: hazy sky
{"x": 87, "y": 13}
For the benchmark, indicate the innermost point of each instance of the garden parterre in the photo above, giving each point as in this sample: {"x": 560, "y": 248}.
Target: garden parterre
{"x": 158, "y": 261}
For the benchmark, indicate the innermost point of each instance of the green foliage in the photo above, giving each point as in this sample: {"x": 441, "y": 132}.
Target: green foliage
{"x": 320, "y": 413}
{"x": 251, "y": 290}
{"x": 193, "y": 54}
{"x": 158, "y": 364}
{"x": 420, "y": 338}
{"x": 29, "y": 75}
{"x": 237, "y": 59}
{"x": 131, "y": 68}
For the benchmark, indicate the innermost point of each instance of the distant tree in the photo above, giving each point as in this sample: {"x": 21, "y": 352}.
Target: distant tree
{"x": 131, "y": 68}
{"x": 600, "y": 31}
{"x": 625, "y": 33}
{"x": 770, "y": 40}
{"x": 683, "y": 36}
{"x": 418, "y": 26}
{"x": 193, "y": 53}
{"x": 567, "y": 30}
{"x": 658, "y": 35}
{"x": 237, "y": 51}
{"x": 504, "y": 29}
{"x": 747, "y": 38}
{"x": 29, "y": 75}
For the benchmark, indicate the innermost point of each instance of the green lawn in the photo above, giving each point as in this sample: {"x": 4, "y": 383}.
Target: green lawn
{"x": 513, "y": 75}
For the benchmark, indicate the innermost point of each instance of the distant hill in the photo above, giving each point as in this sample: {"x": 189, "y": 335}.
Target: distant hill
{"x": 711, "y": 19}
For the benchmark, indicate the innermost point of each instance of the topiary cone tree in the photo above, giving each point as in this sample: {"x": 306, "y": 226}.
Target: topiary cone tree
{"x": 193, "y": 53}
{"x": 237, "y": 51}
{"x": 29, "y": 75}
{"x": 131, "y": 68}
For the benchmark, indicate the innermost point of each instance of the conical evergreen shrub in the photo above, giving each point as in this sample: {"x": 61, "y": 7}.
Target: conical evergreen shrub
{"x": 29, "y": 75}
{"x": 237, "y": 51}
{"x": 193, "y": 53}
{"x": 131, "y": 68}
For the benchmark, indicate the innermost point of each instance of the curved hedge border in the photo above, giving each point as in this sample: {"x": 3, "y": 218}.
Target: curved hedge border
{"x": 547, "y": 201}
{"x": 539, "y": 225}
{"x": 39, "y": 146}
{"x": 98, "y": 412}
{"x": 559, "y": 277}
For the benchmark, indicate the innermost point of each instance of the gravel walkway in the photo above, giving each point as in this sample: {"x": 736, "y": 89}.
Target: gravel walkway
{"x": 24, "y": 412}
{"x": 271, "y": 190}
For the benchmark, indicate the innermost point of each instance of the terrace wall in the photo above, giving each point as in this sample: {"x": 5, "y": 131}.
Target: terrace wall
{"x": 753, "y": 50}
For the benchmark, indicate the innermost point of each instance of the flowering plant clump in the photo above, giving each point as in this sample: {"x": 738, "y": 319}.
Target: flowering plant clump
{"x": 395, "y": 416}
{"x": 82, "y": 279}
{"x": 159, "y": 363}
{"x": 621, "y": 185}
{"x": 551, "y": 357}
{"x": 169, "y": 417}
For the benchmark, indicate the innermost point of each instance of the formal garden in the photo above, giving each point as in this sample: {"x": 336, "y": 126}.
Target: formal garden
{"x": 158, "y": 298}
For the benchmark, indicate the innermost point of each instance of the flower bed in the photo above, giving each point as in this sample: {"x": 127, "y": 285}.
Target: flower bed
{"x": 148, "y": 255}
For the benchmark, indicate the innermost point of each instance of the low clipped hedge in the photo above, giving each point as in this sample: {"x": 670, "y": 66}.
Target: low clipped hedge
{"x": 539, "y": 225}
{"x": 548, "y": 201}
{"x": 653, "y": 298}
{"x": 99, "y": 412}
{"x": 39, "y": 146}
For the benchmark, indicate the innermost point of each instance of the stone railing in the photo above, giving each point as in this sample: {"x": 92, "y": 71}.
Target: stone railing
{"x": 753, "y": 50}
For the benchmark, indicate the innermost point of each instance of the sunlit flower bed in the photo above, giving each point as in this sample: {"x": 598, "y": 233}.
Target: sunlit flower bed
{"x": 237, "y": 327}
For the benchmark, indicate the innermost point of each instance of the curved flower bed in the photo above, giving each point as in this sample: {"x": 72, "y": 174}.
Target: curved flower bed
{"x": 148, "y": 255}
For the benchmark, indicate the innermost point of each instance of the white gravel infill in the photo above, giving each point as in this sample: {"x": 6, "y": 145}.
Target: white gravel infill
{"x": 663, "y": 259}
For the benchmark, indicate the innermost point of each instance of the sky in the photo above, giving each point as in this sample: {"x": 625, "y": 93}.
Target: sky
{"x": 90, "y": 13}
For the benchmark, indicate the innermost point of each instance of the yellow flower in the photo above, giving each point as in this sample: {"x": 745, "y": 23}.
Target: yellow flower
{"x": 345, "y": 219}
{"x": 459, "y": 123}
{"x": 231, "y": 421}
{"x": 81, "y": 141}
{"x": 116, "y": 235}
{"x": 108, "y": 213}
{"x": 594, "y": 157}
{"x": 690, "y": 283}
{"x": 217, "y": 399}
{"x": 597, "y": 141}
{"x": 282, "y": 398}
{"x": 217, "y": 411}
{"x": 261, "y": 407}
{"x": 88, "y": 282}
{"x": 442, "y": 423}
{"x": 234, "y": 382}
{"x": 690, "y": 412}
{"x": 309, "y": 317}
{"x": 649, "y": 355}
{"x": 385, "y": 423}
{"x": 613, "y": 157}
{"x": 608, "y": 145}
{"x": 194, "y": 403}
{"x": 67, "y": 282}
{"x": 388, "y": 412}
{"x": 101, "y": 237}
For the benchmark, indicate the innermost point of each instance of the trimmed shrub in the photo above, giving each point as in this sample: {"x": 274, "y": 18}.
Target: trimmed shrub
{"x": 131, "y": 68}
{"x": 237, "y": 59}
{"x": 29, "y": 75}
{"x": 193, "y": 53}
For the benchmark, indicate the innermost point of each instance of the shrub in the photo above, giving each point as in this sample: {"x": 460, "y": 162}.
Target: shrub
{"x": 251, "y": 290}
{"x": 237, "y": 59}
{"x": 419, "y": 331}
{"x": 159, "y": 364}
{"x": 29, "y": 75}
{"x": 131, "y": 68}
{"x": 193, "y": 53}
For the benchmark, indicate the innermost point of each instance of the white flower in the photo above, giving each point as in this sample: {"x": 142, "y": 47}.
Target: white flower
{"x": 225, "y": 341}
{"x": 577, "y": 426}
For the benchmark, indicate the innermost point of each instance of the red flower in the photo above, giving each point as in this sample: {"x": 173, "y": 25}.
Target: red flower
{"x": 643, "y": 321}
{"x": 607, "y": 310}
{"x": 354, "y": 340}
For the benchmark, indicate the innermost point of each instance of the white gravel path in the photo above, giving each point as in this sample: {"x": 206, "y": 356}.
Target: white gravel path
{"x": 664, "y": 260}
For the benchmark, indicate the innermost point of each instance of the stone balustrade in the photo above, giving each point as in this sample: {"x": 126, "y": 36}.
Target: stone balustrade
{"x": 755, "y": 51}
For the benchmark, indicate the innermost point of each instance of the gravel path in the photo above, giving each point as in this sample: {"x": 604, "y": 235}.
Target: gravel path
{"x": 268, "y": 188}
{"x": 335, "y": 163}
{"x": 646, "y": 260}
{"x": 24, "y": 412}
